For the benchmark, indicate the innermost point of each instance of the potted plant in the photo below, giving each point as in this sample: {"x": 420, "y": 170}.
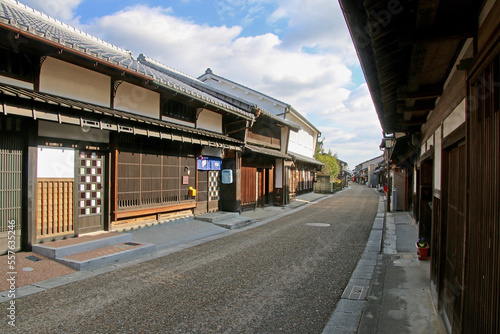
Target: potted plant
{"x": 423, "y": 249}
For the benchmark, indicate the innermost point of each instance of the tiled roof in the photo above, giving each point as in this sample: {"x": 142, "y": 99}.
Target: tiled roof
{"x": 26, "y": 19}
{"x": 209, "y": 73}
{"x": 303, "y": 158}
{"x": 196, "y": 83}
{"x": 267, "y": 151}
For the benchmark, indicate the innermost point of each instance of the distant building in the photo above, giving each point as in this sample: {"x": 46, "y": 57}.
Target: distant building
{"x": 365, "y": 172}
{"x": 301, "y": 169}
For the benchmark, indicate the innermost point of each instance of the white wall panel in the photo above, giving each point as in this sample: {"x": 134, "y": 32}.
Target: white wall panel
{"x": 64, "y": 79}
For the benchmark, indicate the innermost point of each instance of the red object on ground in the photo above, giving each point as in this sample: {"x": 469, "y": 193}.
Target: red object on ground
{"x": 423, "y": 253}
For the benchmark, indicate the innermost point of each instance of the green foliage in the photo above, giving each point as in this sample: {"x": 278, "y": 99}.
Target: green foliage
{"x": 337, "y": 184}
{"x": 332, "y": 166}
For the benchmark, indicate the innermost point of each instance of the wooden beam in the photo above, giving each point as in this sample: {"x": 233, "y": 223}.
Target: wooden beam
{"x": 149, "y": 211}
{"x": 424, "y": 92}
{"x": 437, "y": 34}
{"x": 420, "y": 106}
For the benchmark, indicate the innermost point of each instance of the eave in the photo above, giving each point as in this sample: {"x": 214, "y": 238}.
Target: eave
{"x": 407, "y": 50}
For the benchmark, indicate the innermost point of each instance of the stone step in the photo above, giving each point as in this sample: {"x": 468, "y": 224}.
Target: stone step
{"x": 99, "y": 257}
{"x": 234, "y": 222}
{"x": 218, "y": 216}
{"x": 66, "y": 247}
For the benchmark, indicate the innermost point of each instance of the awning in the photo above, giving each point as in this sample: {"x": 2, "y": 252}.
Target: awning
{"x": 302, "y": 158}
{"x": 267, "y": 151}
{"x": 36, "y": 105}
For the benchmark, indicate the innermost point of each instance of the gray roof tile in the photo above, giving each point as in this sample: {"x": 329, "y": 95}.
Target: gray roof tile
{"x": 25, "y": 18}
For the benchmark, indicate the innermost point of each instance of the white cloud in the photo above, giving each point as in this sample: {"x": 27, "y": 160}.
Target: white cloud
{"x": 63, "y": 10}
{"x": 155, "y": 32}
{"x": 360, "y": 132}
{"x": 316, "y": 24}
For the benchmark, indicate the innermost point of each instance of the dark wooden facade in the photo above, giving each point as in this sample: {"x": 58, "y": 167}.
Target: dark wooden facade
{"x": 257, "y": 180}
{"x": 481, "y": 308}
{"x": 153, "y": 176}
{"x": 441, "y": 90}
{"x": 137, "y": 161}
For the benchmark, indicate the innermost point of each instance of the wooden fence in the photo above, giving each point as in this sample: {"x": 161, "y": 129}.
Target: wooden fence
{"x": 55, "y": 211}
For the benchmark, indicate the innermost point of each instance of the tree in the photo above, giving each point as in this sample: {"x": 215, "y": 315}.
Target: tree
{"x": 331, "y": 166}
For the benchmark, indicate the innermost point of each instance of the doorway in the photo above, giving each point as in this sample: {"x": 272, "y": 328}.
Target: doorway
{"x": 90, "y": 192}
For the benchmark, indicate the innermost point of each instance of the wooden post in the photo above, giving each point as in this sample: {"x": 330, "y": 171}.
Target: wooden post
{"x": 114, "y": 180}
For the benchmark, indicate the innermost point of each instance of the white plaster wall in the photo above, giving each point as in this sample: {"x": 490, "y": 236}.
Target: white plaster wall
{"x": 278, "y": 171}
{"x": 15, "y": 82}
{"x": 55, "y": 162}
{"x": 455, "y": 119}
{"x": 137, "y": 100}
{"x": 303, "y": 141}
{"x": 284, "y": 138}
{"x": 75, "y": 82}
{"x": 209, "y": 120}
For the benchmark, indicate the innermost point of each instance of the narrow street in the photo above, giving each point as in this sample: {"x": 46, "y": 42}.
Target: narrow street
{"x": 285, "y": 276}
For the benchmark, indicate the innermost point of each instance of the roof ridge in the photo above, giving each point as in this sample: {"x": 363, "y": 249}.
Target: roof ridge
{"x": 210, "y": 72}
{"x": 150, "y": 61}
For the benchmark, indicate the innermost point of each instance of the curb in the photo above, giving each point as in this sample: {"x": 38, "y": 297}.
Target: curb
{"x": 349, "y": 310}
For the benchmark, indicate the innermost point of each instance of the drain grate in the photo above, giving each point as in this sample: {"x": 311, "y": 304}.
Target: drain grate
{"x": 33, "y": 258}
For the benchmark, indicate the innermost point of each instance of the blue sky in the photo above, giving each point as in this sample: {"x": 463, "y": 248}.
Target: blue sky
{"x": 297, "y": 51}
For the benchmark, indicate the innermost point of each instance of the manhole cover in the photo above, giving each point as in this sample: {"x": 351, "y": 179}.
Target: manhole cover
{"x": 318, "y": 224}
{"x": 27, "y": 269}
{"x": 33, "y": 258}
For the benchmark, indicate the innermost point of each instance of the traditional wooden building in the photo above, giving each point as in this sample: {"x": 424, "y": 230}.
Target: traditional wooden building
{"x": 365, "y": 172}
{"x": 433, "y": 69}
{"x": 301, "y": 145}
{"x": 90, "y": 137}
{"x": 259, "y": 169}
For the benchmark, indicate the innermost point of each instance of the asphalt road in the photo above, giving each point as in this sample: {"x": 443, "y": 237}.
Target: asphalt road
{"x": 285, "y": 276}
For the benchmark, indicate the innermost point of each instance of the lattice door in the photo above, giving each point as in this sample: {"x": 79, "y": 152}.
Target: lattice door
{"x": 90, "y": 192}
{"x": 213, "y": 190}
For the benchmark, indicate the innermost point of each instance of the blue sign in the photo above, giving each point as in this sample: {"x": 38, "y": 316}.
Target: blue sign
{"x": 209, "y": 163}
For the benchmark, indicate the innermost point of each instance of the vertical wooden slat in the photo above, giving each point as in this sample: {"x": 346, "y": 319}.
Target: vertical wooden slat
{"x": 482, "y": 297}
{"x": 54, "y": 207}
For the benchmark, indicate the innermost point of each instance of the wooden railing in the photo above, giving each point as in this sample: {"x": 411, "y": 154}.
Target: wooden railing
{"x": 55, "y": 210}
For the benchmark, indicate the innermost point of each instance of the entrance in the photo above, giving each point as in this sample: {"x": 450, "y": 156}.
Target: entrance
{"x": 454, "y": 235}
{"x": 90, "y": 193}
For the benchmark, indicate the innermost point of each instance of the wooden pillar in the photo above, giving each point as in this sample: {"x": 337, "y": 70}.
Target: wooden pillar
{"x": 114, "y": 179}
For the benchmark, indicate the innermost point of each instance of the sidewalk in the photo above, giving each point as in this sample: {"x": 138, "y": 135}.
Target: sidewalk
{"x": 389, "y": 292}
{"x": 43, "y": 273}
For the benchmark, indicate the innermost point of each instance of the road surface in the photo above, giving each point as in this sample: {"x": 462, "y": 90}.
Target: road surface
{"x": 282, "y": 277}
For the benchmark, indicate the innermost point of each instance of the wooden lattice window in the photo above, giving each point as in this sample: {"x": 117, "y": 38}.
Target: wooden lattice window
{"x": 148, "y": 179}
{"x": 177, "y": 110}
